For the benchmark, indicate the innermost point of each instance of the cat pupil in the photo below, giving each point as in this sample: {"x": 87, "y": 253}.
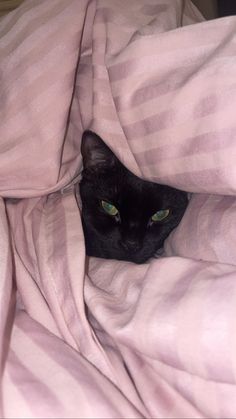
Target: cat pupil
{"x": 109, "y": 208}
{"x": 130, "y": 237}
{"x": 160, "y": 215}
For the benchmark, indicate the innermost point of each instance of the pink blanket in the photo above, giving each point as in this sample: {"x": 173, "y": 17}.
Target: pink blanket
{"x": 107, "y": 339}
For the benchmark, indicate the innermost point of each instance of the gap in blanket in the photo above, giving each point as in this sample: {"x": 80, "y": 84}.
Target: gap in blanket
{"x": 124, "y": 217}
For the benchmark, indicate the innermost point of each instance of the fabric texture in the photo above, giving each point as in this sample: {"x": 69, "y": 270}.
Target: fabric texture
{"x": 7, "y": 6}
{"x": 86, "y": 337}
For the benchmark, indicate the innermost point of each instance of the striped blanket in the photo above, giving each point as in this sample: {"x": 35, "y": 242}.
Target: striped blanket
{"x": 108, "y": 339}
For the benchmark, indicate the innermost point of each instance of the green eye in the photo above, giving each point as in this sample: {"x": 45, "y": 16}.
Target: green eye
{"x": 160, "y": 215}
{"x": 109, "y": 208}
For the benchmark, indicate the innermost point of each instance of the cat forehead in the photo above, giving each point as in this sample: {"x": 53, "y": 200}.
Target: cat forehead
{"x": 130, "y": 188}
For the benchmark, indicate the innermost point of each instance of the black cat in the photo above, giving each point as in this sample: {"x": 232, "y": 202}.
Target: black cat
{"x": 123, "y": 216}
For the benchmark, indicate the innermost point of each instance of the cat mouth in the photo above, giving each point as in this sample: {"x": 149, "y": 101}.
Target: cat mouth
{"x": 134, "y": 257}
{"x": 136, "y": 253}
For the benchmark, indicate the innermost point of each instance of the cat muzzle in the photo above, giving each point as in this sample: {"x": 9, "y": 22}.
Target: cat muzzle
{"x": 131, "y": 245}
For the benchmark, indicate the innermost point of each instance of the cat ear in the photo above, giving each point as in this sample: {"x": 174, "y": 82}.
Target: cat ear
{"x": 95, "y": 152}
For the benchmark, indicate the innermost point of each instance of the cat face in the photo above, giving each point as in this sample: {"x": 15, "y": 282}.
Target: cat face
{"x": 123, "y": 216}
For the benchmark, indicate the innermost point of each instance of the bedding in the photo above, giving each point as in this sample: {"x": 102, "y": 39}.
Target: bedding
{"x": 85, "y": 337}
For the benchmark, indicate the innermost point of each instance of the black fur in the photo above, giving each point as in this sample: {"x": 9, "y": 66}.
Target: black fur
{"x": 130, "y": 237}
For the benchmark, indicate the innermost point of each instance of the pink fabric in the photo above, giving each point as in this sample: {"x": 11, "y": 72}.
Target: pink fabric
{"x": 96, "y": 338}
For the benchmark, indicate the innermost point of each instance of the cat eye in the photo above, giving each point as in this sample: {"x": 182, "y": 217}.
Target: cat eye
{"x": 160, "y": 215}
{"x": 109, "y": 208}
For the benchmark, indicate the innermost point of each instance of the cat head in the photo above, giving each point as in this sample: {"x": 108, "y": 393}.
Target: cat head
{"x": 124, "y": 217}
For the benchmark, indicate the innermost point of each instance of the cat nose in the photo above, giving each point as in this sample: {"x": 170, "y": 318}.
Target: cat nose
{"x": 131, "y": 245}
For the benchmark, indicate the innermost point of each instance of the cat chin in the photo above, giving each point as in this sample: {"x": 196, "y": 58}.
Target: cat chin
{"x": 138, "y": 257}
{"x": 133, "y": 259}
